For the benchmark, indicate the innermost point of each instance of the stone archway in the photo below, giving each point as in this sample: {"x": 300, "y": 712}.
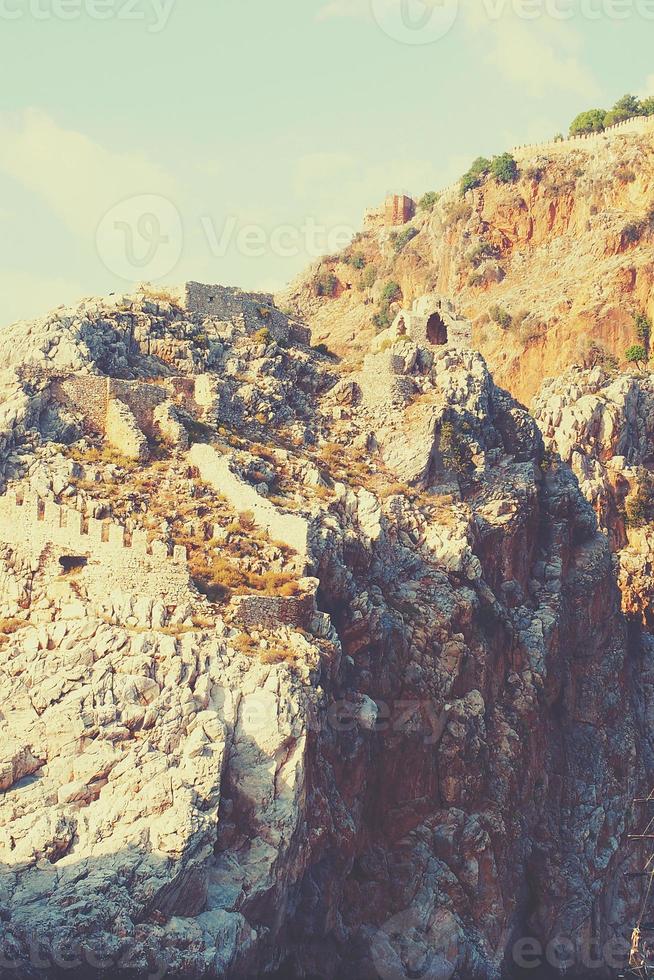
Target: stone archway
{"x": 436, "y": 330}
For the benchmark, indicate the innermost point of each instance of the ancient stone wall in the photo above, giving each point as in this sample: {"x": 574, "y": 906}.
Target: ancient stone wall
{"x": 85, "y": 394}
{"x": 254, "y": 311}
{"x": 398, "y": 209}
{"x": 117, "y": 560}
{"x": 270, "y": 612}
{"x": 216, "y": 470}
{"x": 123, "y": 433}
{"x": 223, "y": 302}
{"x": 142, "y": 400}
{"x": 586, "y": 141}
{"x": 433, "y": 321}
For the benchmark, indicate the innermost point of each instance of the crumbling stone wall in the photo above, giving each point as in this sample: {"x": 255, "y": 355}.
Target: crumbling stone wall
{"x": 270, "y": 612}
{"x": 433, "y": 321}
{"x": 216, "y": 470}
{"x": 398, "y": 209}
{"x": 142, "y": 400}
{"x": 251, "y": 310}
{"x": 86, "y": 395}
{"x": 117, "y": 560}
{"x": 123, "y": 433}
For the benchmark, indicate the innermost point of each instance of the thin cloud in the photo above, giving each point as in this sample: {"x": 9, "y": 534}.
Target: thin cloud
{"x": 352, "y": 9}
{"x": 647, "y": 91}
{"x": 80, "y": 180}
{"x": 538, "y": 55}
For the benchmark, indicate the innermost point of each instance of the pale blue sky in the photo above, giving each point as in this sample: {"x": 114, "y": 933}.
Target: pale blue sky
{"x": 233, "y": 113}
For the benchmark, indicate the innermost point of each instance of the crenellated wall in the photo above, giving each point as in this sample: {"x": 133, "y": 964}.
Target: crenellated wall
{"x": 118, "y": 560}
{"x": 641, "y": 124}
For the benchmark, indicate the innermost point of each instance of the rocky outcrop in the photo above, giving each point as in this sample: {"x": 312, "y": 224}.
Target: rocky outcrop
{"x": 602, "y": 425}
{"x": 420, "y": 756}
{"x": 550, "y": 269}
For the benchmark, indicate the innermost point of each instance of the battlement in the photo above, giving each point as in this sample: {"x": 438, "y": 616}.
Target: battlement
{"x": 639, "y": 124}
{"x": 34, "y": 522}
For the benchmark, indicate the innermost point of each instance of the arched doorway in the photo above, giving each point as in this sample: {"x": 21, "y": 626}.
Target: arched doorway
{"x": 436, "y": 330}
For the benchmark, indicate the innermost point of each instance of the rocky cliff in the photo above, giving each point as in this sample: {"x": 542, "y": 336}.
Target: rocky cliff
{"x": 550, "y": 268}
{"x": 306, "y": 672}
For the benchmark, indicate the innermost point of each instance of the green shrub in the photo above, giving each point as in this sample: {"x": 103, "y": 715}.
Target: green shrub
{"x": 504, "y": 168}
{"x": 359, "y": 261}
{"x": 633, "y": 232}
{"x": 475, "y": 176}
{"x": 625, "y": 108}
{"x": 382, "y": 319}
{"x": 590, "y": 353}
{"x": 454, "y": 451}
{"x": 404, "y": 237}
{"x": 636, "y": 354}
{"x": 501, "y": 317}
{"x": 643, "y": 326}
{"x": 639, "y": 506}
{"x": 591, "y": 121}
{"x": 262, "y": 336}
{"x": 369, "y": 277}
{"x": 391, "y": 292}
{"x": 428, "y": 201}
{"x": 326, "y": 284}
{"x": 481, "y": 252}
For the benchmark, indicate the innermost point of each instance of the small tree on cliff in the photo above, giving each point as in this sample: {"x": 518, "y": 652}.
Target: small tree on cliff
{"x": 625, "y": 108}
{"x": 504, "y": 168}
{"x": 592, "y": 121}
{"x": 636, "y": 354}
{"x": 643, "y": 326}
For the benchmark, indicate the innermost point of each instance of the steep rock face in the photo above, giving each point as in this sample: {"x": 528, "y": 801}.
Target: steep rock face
{"x": 564, "y": 252}
{"x": 603, "y": 427}
{"x": 433, "y": 760}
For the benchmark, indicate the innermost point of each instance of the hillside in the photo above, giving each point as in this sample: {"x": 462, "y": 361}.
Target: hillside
{"x": 305, "y": 671}
{"x": 561, "y": 257}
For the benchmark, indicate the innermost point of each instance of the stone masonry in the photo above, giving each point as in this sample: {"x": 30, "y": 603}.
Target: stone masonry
{"x": 433, "y": 321}
{"x": 254, "y": 311}
{"x": 216, "y": 470}
{"x": 116, "y": 560}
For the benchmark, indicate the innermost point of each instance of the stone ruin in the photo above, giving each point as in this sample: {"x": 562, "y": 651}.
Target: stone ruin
{"x": 128, "y": 414}
{"x": 433, "y": 321}
{"x": 397, "y": 209}
{"x": 252, "y": 311}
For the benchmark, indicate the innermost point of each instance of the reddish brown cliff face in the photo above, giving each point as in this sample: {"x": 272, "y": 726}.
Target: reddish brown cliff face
{"x": 565, "y": 252}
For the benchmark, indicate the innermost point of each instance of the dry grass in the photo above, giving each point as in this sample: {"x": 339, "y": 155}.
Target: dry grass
{"x": 104, "y": 454}
{"x": 250, "y": 648}
{"x": 159, "y": 294}
{"x": 218, "y": 577}
{"x": 10, "y": 626}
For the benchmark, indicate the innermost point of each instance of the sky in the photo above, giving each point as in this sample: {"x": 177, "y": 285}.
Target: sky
{"x": 235, "y": 141}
